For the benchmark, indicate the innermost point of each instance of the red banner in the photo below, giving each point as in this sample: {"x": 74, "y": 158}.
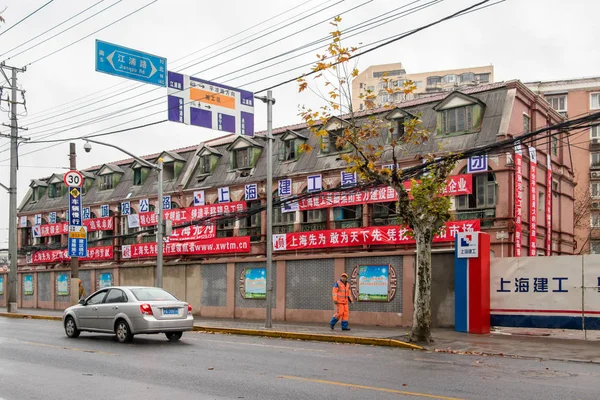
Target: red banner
{"x": 183, "y": 215}
{"x": 99, "y": 224}
{"x": 239, "y": 244}
{"x": 55, "y": 256}
{"x": 62, "y": 228}
{"x": 456, "y": 186}
{"x": 549, "y": 205}
{"x": 532, "y": 202}
{"x": 518, "y": 200}
{"x": 192, "y": 233}
{"x": 374, "y": 235}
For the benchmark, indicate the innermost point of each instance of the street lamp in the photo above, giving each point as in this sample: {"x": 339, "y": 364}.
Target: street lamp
{"x": 159, "y": 229}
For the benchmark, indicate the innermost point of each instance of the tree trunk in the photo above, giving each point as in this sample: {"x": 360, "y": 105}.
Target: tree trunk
{"x": 421, "y": 327}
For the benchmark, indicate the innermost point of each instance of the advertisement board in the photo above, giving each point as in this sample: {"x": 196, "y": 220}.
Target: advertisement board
{"x": 373, "y": 283}
{"x": 63, "y": 288}
{"x": 255, "y": 283}
{"x": 28, "y": 285}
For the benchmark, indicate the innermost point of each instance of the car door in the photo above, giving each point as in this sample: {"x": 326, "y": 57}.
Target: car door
{"x": 108, "y": 310}
{"x": 87, "y": 315}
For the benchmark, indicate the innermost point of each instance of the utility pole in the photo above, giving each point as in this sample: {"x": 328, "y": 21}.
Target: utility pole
{"x": 269, "y": 242}
{"x": 12, "y": 203}
{"x": 159, "y": 226}
{"x": 73, "y": 167}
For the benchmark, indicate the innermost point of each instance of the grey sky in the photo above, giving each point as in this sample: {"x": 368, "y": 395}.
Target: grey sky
{"x": 523, "y": 39}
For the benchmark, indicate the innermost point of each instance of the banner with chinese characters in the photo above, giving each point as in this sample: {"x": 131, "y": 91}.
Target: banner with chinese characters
{"x": 457, "y": 185}
{"x": 239, "y": 244}
{"x": 518, "y": 200}
{"x": 533, "y": 206}
{"x": 374, "y": 235}
{"x": 193, "y": 233}
{"x": 55, "y": 256}
{"x": 183, "y": 215}
{"x": 549, "y": 205}
{"x": 62, "y": 228}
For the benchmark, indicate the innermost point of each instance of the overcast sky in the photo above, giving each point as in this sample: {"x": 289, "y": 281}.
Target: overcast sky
{"x": 523, "y": 39}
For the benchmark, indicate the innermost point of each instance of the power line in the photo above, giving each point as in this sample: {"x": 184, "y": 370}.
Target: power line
{"x": 48, "y": 30}
{"x": 358, "y": 26}
{"x": 93, "y": 33}
{"x": 23, "y": 19}
{"x": 65, "y": 30}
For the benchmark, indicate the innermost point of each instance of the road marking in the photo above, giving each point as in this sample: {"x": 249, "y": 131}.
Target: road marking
{"x": 430, "y": 396}
{"x": 54, "y": 346}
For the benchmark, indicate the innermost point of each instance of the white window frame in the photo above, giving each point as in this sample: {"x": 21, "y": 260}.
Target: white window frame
{"x": 597, "y": 186}
{"x": 558, "y": 97}
{"x": 597, "y": 163}
{"x": 595, "y": 132}
{"x": 592, "y": 101}
{"x": 597, "y": 220}
{"x": 595, "y": 247}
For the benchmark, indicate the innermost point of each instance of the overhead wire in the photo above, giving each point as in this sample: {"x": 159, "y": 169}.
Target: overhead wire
{"x": 26, "y": 17}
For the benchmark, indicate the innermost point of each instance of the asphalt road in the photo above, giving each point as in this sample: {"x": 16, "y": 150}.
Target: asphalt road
{"x": 37, "y": 361}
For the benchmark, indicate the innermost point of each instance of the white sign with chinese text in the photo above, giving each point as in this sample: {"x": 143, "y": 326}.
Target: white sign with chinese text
{"x": 467, "y": 245}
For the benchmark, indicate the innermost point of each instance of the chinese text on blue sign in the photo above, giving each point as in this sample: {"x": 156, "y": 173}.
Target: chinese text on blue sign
{"x": 77, "y": 241}
{"x": 129, "y": 63}
{"x": 193, "y": 101}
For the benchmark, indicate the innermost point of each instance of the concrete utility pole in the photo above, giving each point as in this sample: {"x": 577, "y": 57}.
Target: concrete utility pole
{"x": 12, "y": 190}
{"x": 269, "y": 242}
{"x": 73, "y": 166}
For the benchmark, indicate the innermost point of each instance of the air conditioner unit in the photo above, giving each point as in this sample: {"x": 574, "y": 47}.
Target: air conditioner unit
{"x": 595, "y": 174}
{"x": 595, "y": 205}
{"x": 595, "y": 141}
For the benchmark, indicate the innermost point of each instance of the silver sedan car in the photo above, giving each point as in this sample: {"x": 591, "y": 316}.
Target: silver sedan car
{"x": 127, "y": 311}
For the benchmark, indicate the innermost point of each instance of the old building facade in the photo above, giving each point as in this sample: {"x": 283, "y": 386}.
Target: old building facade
{"x": 210, "y": 261}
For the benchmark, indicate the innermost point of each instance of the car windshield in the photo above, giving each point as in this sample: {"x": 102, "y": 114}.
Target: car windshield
{"x": 152, "y": 294}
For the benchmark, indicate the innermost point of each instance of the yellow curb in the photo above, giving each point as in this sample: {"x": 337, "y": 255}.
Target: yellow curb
{"x": 31, "y": 316}
{"x": 311, "y": 336}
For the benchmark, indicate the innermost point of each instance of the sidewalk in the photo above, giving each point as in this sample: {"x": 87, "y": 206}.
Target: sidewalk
{"x": 552, "y": 344}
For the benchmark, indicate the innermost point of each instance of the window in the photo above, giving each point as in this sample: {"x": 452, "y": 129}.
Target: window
{"x": 225, "y": 228}
{"x": 595, "y": 189}
{"x": 384, "y": 98}
{"x": 115, "y": 296}
{"x": 595, "y": 221}
{"x": 382, "y": 86}
{"x": 483, "y": 78}
{"x": 385, "y": 214}
{"x": 361, "y": 85}
{"x": 393, "y": 72}
{"x": 282, "y": 222}
{"x": 152, "y": 294}
{"x": 398, "y": 129}
{"x": 457, "y": 119}
{"x": 541, "y": 211}
{"x": 433, "y": 80}
{"x": 35, "y": 195}
{"x": 595, "y": 159}
{"x": 205, "y": 164}
{"x": 106, "y": 182}
{"x": 483, "y": 196}
{"x": 554, "y": 145}
{"x": 314, "y": 220}
{"x": 137, "y": 176}
{"x": 250, "y": 225}
{"x": 595, "y": 132}
{"x": 55, "y": 190}
{"x": 331, "y": 143}
{"x": 595, "y": 101}
{"x": 97, "y": 298}
{"x": 526, "y": 123}
{"x": 126, "y": 231}
{"x": 559, "y": 103}
{"x": 467, "y": 77}
{"x": 242, "y": 158}
{"x": 418, "y": 84}
{"x": 370, "y": 88}
{"x": 289, "y": 149}
{"x": 169, "y": 171}
{"x": 595, "y": 247}
{"x": 449, "y": 79}
{"x": 348, "y": 217}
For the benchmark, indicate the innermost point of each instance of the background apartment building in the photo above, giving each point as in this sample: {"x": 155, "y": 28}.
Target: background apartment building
{"x": 426, "y": 82}
{"x": 573, "y": 98}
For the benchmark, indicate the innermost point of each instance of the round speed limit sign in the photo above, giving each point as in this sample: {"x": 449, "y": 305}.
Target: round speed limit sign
{"x": 73, "y": 179}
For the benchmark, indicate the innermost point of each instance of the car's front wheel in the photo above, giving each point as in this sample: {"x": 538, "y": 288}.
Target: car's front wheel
{"x": 71, "y": 329}
{"x": 173, "y": 336}
{"x": 123, "y": 331}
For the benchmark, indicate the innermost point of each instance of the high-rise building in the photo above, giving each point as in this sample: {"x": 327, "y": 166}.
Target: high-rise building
{"x": 374, "y": 79}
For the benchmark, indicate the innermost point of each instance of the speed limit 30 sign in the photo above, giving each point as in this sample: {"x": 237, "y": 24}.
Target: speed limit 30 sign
{"x": 73, "y": 179}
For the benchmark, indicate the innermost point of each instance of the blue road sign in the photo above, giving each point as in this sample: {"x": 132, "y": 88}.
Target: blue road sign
{"x": 131, "y": 64}
{"x": 77, "y": 241}
{"x": 75, "y": 209}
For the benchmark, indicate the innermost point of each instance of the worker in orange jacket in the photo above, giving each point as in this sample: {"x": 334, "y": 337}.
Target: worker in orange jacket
{"x": 341, "y": 296}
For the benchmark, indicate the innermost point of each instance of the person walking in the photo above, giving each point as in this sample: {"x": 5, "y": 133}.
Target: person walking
{"x": 341, "y": 296}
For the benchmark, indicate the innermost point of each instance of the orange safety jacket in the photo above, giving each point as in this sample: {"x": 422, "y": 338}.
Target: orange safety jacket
{"x": 341, "y": 292}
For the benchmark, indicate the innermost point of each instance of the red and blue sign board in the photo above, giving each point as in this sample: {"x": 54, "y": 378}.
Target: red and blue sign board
{"x": 472, "y": 283}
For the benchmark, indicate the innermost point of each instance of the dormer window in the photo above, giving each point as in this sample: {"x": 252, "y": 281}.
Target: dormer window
{"x": 109, "y": 177}
{"x": 207, "y": 160}
{"x": 172, "y": 165}
{"x": 459, "y": 113}
{"x": 244, "y": 153}
{"x": 38, "y": 188}
{"x": 333, "y": 142}
{"x": 56, "y": 187}
{"x": 106, "y": 182}
{"x": 205, "y": 164}
{"x": 35, "y": 195}
{"x": 397, "y": 118}
{"x": 137, "y": 177}
{"x": 290, "y": 149}
{"x": 140, "y": 173}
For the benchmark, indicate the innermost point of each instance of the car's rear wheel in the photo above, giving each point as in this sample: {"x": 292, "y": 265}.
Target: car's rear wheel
{"x": 173, "y": 336}
{"x": 71, "y": 329}
{"x": 123, "y": 331}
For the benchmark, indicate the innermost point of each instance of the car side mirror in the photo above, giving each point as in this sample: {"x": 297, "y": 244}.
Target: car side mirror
{"x": 82, "y": 302}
